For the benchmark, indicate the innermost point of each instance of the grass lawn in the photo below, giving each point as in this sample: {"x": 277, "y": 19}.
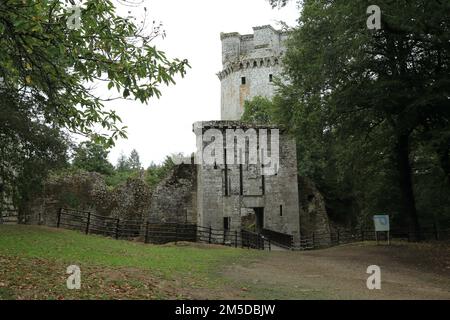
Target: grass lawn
{"x": 33, "y": 262}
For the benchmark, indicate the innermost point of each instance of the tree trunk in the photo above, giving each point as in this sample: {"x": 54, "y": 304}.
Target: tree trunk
{"x": 406, "y": 185}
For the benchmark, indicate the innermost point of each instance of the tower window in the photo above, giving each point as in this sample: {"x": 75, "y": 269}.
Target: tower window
{"x": 270, "y": 77}
{"x": 281, "y": 210}
{"x": 243, "y": 80}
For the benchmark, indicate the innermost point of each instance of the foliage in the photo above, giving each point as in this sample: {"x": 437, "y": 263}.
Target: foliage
{"x": 126, "y": 169}
{"x": 29, "y": 148}
{"x": 49, "y": 80}
{"x": 122, "y": 163}
{"x": 369, "y": 108}
{"x": 134, "y": 162}
{"x": 156, "y": 173}
{"x": 258, "y": 110}
{"x": 42, "y": 58}
{"x": 92, "y": 157}
{"x": 119, "y": 177}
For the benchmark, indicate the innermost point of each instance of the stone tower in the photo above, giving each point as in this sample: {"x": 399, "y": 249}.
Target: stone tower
{"x": 250, "y": 62}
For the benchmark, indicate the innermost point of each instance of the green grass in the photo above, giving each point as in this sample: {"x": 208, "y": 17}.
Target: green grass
{"x": 42, "y": 254}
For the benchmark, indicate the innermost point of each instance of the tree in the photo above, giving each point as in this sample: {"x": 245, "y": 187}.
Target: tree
{"x": 41, "y": 59}
{"x": 49, "y": 74}
{"x": 29, "y": 149}
{"x": 156, "y": 173}
{"x": 122, "y": 163}
{"x": 369, "y": 96}
{"x": 258, "y": 110}
{"x": 134, "y": 163}
{"x": 92, "y": 157}
{"x": 278, "y": 3}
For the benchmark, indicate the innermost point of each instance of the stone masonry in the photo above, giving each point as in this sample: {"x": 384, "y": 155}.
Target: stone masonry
{"x": 174, "y": 199}
{"x": 227, "y": 193}
{"x": 250, "y": 63}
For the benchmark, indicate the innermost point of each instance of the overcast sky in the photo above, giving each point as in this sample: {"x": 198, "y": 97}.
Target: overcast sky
{"x": 193, "y": 32}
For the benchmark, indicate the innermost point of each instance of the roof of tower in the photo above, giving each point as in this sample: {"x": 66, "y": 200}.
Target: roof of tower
{"x": 224, "y": 35}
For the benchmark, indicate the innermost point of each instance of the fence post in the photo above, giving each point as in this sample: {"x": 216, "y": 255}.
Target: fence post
{"x": 270, "y": 246}
{"x": 362, "y": 235}
{"x": 235, "y": 239}
{"x": 88, "y": 223}
{"x": 1, "y": 202}
{"x": 314, "y": 240}
{"x": 146, "y": 232}
{"x": 436, "y": 231}
{"x": 210, "y": 234}
{"x": 117, "y": 229}
{"x": 58, "y": 224}
{"x": 338, "y": 237}
{"x": 176, "y": 233}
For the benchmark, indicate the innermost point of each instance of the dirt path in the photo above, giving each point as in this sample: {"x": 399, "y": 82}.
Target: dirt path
{"x": 408, "y": 272}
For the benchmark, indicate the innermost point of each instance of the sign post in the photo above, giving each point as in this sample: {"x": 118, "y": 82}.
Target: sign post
{"x": 382, "y": 225}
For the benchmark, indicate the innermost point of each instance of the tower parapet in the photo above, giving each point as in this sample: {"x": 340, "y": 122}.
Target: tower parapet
{"x": 250, "y": 63}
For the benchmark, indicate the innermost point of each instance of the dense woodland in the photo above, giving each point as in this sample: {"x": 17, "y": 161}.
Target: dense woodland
{"x": 369, "y": 109}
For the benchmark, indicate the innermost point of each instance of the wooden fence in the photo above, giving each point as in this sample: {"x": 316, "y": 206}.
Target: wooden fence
{"x": 157, "y": 233}
{"x": 346, "y": 236}
{"x": 162, "y": 233}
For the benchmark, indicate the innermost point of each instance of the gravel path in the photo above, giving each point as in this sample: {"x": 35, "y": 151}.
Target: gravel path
{"x": 408, "y": 271}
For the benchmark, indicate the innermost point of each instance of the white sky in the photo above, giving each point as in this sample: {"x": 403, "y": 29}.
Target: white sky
{"x": 193, "y": 32}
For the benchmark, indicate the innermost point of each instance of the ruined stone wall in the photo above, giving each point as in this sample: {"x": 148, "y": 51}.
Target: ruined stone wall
{"x": 174, "y": 199}
{"x": 89, "y": 192}
{"x": 282, "y": 196}
{"x": 313, "y": 213}
{"x": 8, "y": 211}
{"x": 131, "y": 201}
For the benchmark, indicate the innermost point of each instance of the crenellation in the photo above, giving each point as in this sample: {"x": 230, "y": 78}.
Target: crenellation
{"x": 255, "y": 57}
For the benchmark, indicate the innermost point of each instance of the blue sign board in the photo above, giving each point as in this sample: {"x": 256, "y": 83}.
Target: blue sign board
{"x": 381, "y": 223}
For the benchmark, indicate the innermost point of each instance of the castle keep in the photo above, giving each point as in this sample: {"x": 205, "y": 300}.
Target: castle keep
{"x": 250, "y": 63}
{"x": 230, "y": 193}
{"x": 259, "y": 195}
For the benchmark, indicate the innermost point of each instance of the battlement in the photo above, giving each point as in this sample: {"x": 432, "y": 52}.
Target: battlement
{"x": 265, "y": 42}
{"x": 250, "y": 64}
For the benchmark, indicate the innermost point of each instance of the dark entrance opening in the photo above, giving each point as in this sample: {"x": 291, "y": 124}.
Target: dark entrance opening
{"x": 259, "y": 213}
{"x": 226, "y": 223}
